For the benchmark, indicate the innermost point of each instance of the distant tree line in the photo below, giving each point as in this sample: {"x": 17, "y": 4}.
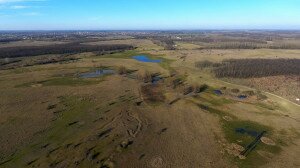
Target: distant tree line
{"x": 248, "y": 68}
{"x": 12, "y": 63}
{"x": 241, "y": 41}
{"x": 237, "y": 45}
{"x": 7, "y": 40}
{"x": 250, "y": 45}
{"x": 223, "y": 40}
{"x": 70, "y": 48}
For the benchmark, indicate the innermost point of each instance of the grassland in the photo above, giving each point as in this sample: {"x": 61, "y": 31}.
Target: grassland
{"x": 51, "y": 117}
{"x": 165, "y": 62}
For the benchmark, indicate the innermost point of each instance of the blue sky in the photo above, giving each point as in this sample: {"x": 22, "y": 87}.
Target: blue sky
{"x": 149, "y": 14}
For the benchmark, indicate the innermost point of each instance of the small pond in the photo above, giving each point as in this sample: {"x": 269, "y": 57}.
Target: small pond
{"x": 242, "y": 97}
{"x": 144, "y": 58}
{"x": 156, "y": 79}
{"x": 249, "y": 132}
{"x": 218, "y": 92}
{"x": 97, "y": 73}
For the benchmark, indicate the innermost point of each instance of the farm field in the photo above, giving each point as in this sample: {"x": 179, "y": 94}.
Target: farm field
{"x": 108, "y": 108}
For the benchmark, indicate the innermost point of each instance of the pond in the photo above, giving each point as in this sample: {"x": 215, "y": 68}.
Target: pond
{"x": 242, "y": 97}
{"x": 144, "y": 58}
{"x": 97, "y": 73}
{"x": 249, "y": 132}
{"x": 156, "y": 79}
{"x": 218, "y": 92}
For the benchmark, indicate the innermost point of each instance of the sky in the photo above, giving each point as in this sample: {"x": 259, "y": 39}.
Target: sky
{"x": 148, "y": 14}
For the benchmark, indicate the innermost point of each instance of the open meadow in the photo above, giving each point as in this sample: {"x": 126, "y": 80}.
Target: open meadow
{"x": 149, "y": 102}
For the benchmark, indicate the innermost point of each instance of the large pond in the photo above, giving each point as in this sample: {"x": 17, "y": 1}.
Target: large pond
{"x": 144, "y": 58}
{"x": 97, "y": 73}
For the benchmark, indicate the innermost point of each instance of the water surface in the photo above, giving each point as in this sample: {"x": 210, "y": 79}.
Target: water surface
{"x": 156, "y": 79}
{"x": 249, "y": 132}
{"x": 218, "y": 92}
{"x": 97, "y": 73}
{"x": 242, "y": 97}
{"x": 144, "y": 58}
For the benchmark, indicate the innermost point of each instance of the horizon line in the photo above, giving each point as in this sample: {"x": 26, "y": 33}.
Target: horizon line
{"x": 217, "y": 29}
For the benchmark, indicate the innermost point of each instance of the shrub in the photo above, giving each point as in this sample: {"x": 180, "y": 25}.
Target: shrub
{"x": 235, "y": 90}
{"x": 199, "y": 89}
{"x": 145, "y": 76}
{"x": 122, "y": 70}
{"x": 188, "y": 90}
{"x": 249, "y": 93}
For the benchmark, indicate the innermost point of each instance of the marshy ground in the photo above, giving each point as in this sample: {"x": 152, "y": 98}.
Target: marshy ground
{"x": 51, "y": 116}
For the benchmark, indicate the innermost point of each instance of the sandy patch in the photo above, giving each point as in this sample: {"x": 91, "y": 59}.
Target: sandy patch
{"x": 227, "y": 118}
{"x": 267, "y": 141}
{"x": 235, "y": 150}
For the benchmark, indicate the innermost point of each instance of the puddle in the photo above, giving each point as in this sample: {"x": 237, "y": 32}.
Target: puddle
{"x": 97, "y": 73}
{"x": 144, "y": 58}
{"x": 252, "y": 133}
{"x": 156, "y": 79}
{"x": 218, "y": 92}
{"x": 242, "y": 97}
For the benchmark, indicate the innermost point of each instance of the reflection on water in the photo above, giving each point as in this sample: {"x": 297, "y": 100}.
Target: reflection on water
{"x": 242, "y": 97}
{"x": 252, "y": 133}
{"x": 156, "y": 79}
{"x": 97, "y": 73}
{"x": 218, "y": 92}
{"x": 144, "y": 58}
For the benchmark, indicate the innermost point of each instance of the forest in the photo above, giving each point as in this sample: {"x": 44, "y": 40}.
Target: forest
{"x": 249, "y": 68}
{"x": 70, "y": 48}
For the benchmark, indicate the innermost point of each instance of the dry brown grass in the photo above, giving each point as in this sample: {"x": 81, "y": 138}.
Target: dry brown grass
{"x": 122, "y": 70}
{"x": 145, "y": 76}
{"x": 113, "y": 105}
{"x": 152, "y": 93}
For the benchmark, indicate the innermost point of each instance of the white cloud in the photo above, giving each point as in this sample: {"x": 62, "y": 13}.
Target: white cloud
{"x": 12, "y": 1}
{"x": 19, "y": 7}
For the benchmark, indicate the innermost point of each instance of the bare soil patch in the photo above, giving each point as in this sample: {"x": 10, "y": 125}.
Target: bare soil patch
{"x": 267, "y": 141}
